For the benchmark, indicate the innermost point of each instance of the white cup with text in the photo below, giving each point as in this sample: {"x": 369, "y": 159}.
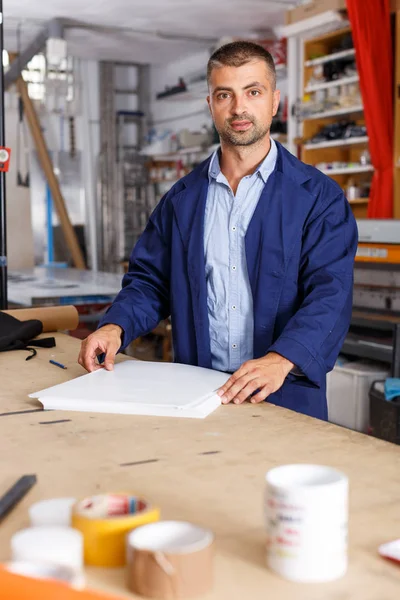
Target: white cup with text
{"x": 306, "y": 509}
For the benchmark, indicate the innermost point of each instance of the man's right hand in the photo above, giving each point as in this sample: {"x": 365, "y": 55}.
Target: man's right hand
{"x": 105, "y": 340}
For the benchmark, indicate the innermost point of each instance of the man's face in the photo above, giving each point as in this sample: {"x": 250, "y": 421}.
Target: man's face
{"x": 242, "y": 102}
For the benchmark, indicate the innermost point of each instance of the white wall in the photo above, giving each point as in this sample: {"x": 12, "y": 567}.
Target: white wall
{"x": 173, "y": 113}
{"x": 19, "y": 227}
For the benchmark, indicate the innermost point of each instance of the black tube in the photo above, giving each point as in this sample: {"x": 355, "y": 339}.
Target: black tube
{"x": 3, "y": 225}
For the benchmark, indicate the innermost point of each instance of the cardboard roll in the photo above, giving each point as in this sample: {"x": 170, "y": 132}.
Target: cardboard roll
{"x": 170, "y": 560}
{"x": 105, "y": 520}
{"x": 54, "y": 318}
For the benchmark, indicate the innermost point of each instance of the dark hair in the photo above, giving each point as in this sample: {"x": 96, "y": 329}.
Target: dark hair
{"x": 239, "y": 53}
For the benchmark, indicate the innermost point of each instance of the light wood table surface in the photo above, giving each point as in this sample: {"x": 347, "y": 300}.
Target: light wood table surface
{"x": 209, "y": 471}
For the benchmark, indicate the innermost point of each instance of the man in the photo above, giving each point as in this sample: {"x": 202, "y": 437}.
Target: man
{"x": 251, "y": 254}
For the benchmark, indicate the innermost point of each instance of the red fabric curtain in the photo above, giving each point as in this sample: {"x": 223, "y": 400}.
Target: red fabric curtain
{"x": 372, "y": 37}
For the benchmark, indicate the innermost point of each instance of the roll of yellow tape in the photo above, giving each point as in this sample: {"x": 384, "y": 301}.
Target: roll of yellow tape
{"x": 104, "y": 522}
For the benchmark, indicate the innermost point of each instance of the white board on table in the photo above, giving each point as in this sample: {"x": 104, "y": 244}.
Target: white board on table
{"x": 140, "y": 388}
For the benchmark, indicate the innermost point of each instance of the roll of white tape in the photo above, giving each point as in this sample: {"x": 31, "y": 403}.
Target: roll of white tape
{"x": 39, "y": 570}
{"x": 56, "y": 511}
{"x": 54, "y": 545}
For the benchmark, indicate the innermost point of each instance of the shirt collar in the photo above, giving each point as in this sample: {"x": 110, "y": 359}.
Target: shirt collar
{"x": 264, "y": 169}
{"x": 214, "y": 168}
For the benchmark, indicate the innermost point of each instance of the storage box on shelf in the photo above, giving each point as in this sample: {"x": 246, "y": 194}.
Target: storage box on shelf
{"x": 347, "y": 392}
{"x": 311, "y": 9}
{"x": 334, "y": 135}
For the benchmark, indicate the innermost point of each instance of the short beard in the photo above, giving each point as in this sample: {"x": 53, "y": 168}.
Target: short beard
{"x": 243, "y": 138}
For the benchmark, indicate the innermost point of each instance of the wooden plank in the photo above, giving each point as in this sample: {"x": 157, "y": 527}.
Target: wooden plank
{"x": 337, "y": 143}
{"x": 394, "y": 5}
{"x": 360, "y": 210}
{"x": 331, "y": 84}
{"x": 329, "y": 114}
{"x": 359, "y": 201}
{"x": 325, "y": 37}
{"x": 329, "y": 57}
{"x": 47, "y": 166}
{"x": 207, "y": 471}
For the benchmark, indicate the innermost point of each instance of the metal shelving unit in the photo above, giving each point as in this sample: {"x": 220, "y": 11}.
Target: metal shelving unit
{"x": 126, "y": 199}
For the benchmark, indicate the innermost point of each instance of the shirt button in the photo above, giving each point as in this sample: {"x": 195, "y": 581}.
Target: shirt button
{"x": 233, "y": 228}
{"x": 234, "y": 346}
{"x": 233, "y": 307}
{"x": 233, "y": 268}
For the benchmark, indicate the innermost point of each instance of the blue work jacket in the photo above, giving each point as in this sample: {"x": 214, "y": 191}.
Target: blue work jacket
{"x": 300, "y": 248}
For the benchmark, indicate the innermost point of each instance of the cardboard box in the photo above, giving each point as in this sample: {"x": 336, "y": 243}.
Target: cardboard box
{"x": 305, "y": 11}
{"x": 277, "y": 49}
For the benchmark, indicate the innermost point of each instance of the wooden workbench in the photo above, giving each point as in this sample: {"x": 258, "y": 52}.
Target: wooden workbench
{"x": 208, "y": 471}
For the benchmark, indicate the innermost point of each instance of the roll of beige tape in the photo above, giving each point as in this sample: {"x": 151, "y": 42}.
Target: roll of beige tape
{"x": 170, "y": 560}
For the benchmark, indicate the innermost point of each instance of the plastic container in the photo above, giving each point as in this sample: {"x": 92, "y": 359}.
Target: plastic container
{"x": 348, "y": 389}
{"x": 384, "y": 414}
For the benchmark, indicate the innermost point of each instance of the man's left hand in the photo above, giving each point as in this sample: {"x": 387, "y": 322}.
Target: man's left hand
{"x": 266, "y": 375}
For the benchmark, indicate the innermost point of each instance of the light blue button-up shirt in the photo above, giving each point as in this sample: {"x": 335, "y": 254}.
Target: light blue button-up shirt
{"x": 229, "y": 297}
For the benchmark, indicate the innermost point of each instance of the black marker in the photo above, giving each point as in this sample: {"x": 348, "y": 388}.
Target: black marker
{"x": 16, "y": 493}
